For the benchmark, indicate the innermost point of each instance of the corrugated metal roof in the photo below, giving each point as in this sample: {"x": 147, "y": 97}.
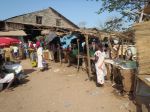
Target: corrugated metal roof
{"x": 13, "y": 33}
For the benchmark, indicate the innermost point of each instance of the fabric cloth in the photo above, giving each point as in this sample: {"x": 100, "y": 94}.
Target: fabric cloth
{"x": 15, "y": 49}
{"x": 101, "y": 70}
{"x": 50, "y": 37}
{"x": 40, "y": 57}
{"x": 66, "y": 40}
{"x": 114, "y": 52}
{"x": 34, "y": 45}
{"x": 8, "y": 78}
{"x": 37, "y": 43}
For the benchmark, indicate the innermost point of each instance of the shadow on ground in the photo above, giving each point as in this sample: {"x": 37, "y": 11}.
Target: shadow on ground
{"x": 28, "y": 71}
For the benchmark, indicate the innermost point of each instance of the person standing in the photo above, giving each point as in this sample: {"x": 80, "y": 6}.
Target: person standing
{"x": 15, "y": 51}
{"x": 40, "y": 57}
{"x": 100, "y": 65}
{"x": 26, "y": 53}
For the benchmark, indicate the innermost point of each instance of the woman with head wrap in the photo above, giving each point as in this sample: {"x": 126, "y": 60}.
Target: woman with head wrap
{"x": 100, "y": 65}
{"x": 40, "y": 56}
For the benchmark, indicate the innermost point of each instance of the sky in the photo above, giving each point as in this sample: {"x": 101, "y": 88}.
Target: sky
{"x": 78, "y": 11}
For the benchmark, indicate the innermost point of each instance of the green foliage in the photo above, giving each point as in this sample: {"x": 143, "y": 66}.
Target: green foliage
{"x": 113, "y": 24}
{"x": 128, "y": 8}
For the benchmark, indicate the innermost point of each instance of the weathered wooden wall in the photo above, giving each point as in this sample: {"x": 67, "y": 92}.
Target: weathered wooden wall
{"x": 142, "y": 38}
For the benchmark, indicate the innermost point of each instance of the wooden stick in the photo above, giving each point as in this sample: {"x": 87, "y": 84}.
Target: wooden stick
{"x": 122, "y": 48}
{"x": 59, "y": 54}
{"x": 78, "y": 66}
{"x": 88, "y": 57}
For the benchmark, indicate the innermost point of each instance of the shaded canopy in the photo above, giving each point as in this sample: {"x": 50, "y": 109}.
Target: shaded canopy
{"x": 8, "y": 41}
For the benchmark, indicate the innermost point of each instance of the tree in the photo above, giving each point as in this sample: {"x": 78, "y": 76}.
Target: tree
{"x": 127, "y": 8}
{"x": 112, "y": 24}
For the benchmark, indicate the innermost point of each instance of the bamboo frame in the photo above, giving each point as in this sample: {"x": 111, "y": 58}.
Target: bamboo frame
{"x": 78, "y": 59}
{"x": 88, "y": 56}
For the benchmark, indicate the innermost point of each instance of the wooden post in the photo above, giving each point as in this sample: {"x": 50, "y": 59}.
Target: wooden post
{"x": 88, "y": 57}
{"x": 5, "y": 26}
{"x": 141, "y": 16}
{"x": 59, "y": 53}
{"x": 78, "y": 66}
{"x": 122, "y": 48}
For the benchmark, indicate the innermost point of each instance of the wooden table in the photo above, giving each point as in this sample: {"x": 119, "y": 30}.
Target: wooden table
{"x": 84, "y": 57}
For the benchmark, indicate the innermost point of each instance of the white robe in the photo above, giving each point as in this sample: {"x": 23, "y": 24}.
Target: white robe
{"x": 39, "y": 56}
{"x": 100, "y": 72}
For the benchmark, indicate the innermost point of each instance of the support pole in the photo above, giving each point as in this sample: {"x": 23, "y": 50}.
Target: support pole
{"x": 59, "y": 51}
{"x": 88, "y": 57}
{"x": 122, "y": 41}
{"x": 78, "y": 66}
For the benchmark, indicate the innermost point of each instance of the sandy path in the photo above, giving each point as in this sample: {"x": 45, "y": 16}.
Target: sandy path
{"x": 61, "y": 89}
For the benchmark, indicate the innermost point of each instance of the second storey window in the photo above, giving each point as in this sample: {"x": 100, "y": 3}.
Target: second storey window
{"x": 38, "y": 19}
{"x": 58, "y": 22}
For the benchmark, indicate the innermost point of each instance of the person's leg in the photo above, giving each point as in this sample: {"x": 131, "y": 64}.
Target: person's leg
{"x": 99, "y": 80}
{"x": 1, "y": 87}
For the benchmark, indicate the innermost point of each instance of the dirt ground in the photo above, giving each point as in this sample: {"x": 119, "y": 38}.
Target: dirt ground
{"x": 61, "y": 89}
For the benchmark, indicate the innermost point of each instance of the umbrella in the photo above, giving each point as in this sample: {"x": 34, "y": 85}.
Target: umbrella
{"x": 3, "y": 44}
{"x": 8, "y": 41}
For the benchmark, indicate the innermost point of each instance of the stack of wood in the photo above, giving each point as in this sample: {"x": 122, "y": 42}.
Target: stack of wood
{"x": 142, "y": 38}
